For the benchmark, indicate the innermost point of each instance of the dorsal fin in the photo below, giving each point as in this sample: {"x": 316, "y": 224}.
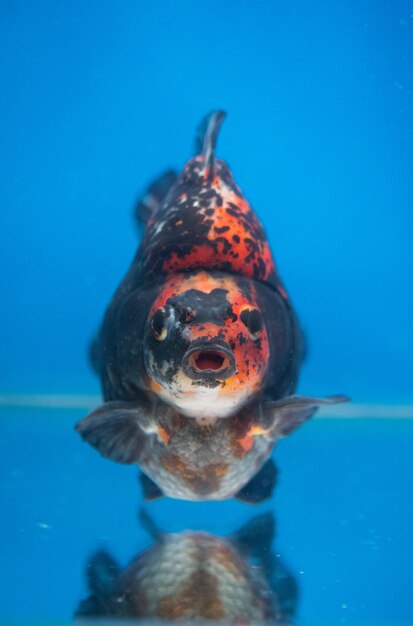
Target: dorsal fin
{"x": 207, "y": 138}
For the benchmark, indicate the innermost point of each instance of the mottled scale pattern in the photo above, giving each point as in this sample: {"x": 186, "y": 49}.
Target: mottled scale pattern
{"x": 195, "y": 576}
{"x": 204, "y": 462}
{"x": 207, "y": 224}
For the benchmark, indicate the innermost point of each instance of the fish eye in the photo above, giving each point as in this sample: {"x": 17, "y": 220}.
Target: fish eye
{"x": 158, "y": 324}
{"x": 252, "y": 319}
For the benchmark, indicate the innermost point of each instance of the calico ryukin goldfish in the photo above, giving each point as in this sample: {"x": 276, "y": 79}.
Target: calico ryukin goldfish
{"x": 200, "y": 347}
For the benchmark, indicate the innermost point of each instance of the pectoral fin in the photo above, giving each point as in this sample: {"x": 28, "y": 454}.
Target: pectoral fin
{"x": 118, "y": 430}
{"x": 282, "y": 417}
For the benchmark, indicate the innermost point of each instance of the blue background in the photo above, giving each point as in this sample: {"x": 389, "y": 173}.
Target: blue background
{"x": 97, "y": 98}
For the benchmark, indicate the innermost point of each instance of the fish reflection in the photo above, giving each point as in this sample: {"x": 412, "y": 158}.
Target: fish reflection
{"x": 196, "y": 576}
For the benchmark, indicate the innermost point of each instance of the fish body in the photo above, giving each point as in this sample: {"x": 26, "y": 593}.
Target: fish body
{"x": 200, "y": 341}
{"x": 196, "y": 576}
{"x": 194, "y": 462}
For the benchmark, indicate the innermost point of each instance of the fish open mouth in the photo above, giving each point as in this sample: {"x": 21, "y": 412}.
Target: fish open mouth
{"x": 209, "y": 362}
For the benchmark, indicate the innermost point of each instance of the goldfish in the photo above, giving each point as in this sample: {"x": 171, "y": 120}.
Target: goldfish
{"x": 195, "y": 576}
{"x": 200, "y": 348}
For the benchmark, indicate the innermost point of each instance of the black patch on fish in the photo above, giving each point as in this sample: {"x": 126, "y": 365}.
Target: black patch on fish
{"x": 211, "y": 194}
{"x": 205, "y": 307}
{"x": 167, "y": 355}
{"x": 284, "y": 341}
{"x": 226, "y": 246}
{"x": 204, "y": 382}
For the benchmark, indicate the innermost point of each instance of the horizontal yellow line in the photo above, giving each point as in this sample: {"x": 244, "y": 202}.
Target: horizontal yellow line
{"x": 88, "y": 402}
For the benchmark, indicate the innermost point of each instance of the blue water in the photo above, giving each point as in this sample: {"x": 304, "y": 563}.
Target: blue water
{"x": 342, "y": 506}
{"x": 96, "y": 99}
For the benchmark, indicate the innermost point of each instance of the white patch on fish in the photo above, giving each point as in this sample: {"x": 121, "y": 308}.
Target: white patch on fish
{"x": 205, "y": 403}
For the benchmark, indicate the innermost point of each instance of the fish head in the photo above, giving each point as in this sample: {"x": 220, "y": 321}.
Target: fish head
{"x": 206, "y": 346}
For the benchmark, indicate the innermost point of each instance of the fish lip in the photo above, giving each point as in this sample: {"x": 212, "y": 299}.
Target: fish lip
{"x": 226, "y": 370}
